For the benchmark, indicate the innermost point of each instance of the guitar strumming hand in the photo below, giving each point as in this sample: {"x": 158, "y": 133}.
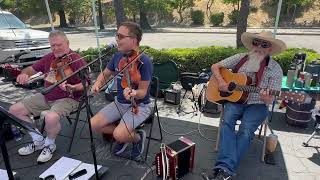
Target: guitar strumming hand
{"x": 265, "y": 96}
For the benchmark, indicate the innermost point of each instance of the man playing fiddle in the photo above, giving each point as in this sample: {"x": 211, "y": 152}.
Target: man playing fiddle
{"x": 128, "y": 38}
{"x": 58, "y": 103}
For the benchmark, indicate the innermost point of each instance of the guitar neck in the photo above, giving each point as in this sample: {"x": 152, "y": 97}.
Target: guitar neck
{"x": 253, "y": 89}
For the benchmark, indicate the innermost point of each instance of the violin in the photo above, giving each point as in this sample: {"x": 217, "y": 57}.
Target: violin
{"x": 62, "y": 69}
{"x": 131, "y": 76}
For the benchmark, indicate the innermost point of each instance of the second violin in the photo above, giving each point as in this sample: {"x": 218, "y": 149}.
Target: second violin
{"x": 131, "y": 75}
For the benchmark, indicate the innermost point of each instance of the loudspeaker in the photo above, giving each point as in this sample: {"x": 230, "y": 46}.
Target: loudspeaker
{"x": 172, "y": 96}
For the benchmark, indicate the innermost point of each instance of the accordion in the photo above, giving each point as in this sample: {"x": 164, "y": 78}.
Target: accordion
{"x": 176, "y": 159}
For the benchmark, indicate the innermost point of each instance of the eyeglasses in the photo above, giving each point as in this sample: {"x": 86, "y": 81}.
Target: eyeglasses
{"x": 121, "y": 36}
{"x": 261, "y": 43}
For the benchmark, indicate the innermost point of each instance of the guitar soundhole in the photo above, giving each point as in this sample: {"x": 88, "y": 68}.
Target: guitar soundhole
{"x": 225, "y": 94}
{"x": 232, "y": 86}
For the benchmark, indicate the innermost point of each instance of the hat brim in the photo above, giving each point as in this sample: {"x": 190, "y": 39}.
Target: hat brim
{"x": 277, "y": 47}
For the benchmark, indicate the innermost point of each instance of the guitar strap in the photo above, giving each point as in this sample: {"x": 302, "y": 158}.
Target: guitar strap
{"x": 259, "y": 74}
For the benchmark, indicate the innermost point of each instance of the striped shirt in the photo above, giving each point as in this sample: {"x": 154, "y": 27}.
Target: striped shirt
{"x": 271, "y": 78}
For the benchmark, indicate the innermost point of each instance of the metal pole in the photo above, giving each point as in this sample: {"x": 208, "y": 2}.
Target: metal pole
{"x": 94, "y": 14}
{"x": 277, "y": 18}
{"x": 49, "y": 14}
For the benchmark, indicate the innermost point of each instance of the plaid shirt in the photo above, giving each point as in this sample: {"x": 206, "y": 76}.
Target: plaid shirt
{"x": 271, "y": 78}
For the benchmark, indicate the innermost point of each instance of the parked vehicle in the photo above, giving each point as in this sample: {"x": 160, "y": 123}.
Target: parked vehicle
{"x": 20, "y": 42}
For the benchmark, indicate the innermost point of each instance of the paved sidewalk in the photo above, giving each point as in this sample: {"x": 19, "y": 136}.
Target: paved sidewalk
{"x": 293, "y": 161}
{"x": 220, "y": 30}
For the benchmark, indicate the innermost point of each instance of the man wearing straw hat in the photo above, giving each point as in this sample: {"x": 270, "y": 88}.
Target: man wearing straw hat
{"x": 266, "y": 74}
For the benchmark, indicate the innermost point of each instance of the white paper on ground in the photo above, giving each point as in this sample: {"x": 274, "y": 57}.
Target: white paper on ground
{"x": 61, "y": 168}
{"x": 4, "y": 175}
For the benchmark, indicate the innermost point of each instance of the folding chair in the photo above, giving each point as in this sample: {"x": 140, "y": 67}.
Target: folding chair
{"x": 154, "y": 113}
{"x": 69, "y": 118}
{"x": 264, "y": 124}
{"x": 150, "y": 119}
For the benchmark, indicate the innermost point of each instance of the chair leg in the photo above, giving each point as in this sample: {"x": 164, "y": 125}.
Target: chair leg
{"x": 265, "y": 123}
{"x": 194, "y": 102}
{"x": 149, "y": 138}
{"x": 69, "y": 120}
{"x": 260, "y": 130}
{"x": 218, "y": 133}
{"x": 159, "y": 125}
{"x": 42, "y": 116}
{"x": 43, "y": 126}
{"x": 150, "y": 132}
{"x": 75, "y": 124}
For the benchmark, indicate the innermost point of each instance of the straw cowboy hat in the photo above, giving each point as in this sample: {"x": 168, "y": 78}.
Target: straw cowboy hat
{"x": 277, "y": 45}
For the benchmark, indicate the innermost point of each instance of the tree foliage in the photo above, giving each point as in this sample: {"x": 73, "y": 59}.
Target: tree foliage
{"x": 79, "y": 11}
{"x": 234, "y": 3}
{"x": 180, "y": 6}
{"x": 290, "y": 9}
{"x": 157, "y": 10}
{"x": 24, "y": 8}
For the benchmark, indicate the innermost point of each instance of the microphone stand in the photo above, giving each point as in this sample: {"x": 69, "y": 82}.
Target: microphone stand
{"x": 85, "y": 98}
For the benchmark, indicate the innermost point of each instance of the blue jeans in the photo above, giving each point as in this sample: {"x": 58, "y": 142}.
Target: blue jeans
{"x": 233, "y": 145}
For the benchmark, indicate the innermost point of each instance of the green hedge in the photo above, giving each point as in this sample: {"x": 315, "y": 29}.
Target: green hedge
{"x": 217, "y": 19}
{"x": 195, "y": 59}
{"x": 197, "y": 17}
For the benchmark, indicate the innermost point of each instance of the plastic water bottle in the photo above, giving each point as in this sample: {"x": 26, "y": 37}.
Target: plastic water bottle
{"x": 16, "y": 133}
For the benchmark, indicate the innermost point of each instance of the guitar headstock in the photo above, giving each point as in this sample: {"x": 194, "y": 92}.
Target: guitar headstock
{"x": 293, "y": 96}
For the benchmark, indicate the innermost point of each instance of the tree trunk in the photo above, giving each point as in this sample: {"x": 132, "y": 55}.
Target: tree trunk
{"x": 119, "y": 11}
{"x": 134, "y": 16}
{"x": 63, "y": 21}
{"x": 180, "y": 16}
{"x": 143, "y": 16}
{"x": 100, "y": 15}
{"x": 242, "y": 21}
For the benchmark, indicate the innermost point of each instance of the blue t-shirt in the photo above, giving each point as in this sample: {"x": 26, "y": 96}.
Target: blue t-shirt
{"x": 146, "y": 69}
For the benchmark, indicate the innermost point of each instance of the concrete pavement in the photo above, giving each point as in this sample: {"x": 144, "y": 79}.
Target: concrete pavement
{"x": 193, "y": 37}
{"x": 293, "y": 161}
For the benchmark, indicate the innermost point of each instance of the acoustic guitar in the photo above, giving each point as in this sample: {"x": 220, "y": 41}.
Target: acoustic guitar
{"x": 239, "y": 86}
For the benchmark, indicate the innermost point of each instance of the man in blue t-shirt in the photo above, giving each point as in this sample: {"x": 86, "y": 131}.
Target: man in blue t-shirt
{"x": 132, "y": 105}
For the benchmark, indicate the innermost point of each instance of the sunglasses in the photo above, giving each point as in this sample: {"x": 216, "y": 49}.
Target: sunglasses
{"x": 121, "y": 36}
{"x": 261, "y": 43}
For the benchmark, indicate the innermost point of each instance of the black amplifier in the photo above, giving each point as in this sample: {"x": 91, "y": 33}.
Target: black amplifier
{"x": 175, "y": 159}
{"x": 172, "y": 96}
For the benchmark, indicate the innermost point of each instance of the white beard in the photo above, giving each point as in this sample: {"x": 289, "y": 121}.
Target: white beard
{"x": 254, "y": 61}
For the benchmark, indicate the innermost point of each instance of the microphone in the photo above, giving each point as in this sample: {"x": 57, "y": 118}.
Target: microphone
{"x": 110, "y": 46}
{"x": 17, "y": 55}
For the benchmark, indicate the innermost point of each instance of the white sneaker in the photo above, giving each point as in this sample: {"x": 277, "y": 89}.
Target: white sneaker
{"x": 46, "y": 153}
{"x": 29, "y": 149}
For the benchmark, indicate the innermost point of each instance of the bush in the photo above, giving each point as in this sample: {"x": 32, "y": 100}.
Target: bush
{"x": 197, "y": 17}
{"x": 233, "y": 17}
{"x": 253, "y": 9}
{"x": 196, "y": 59}
{"x": 217, "y": 19}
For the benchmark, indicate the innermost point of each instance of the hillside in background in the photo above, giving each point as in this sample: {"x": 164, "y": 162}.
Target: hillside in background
{"x": 265, "y": 16}
{"x": 262, "y": 16}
